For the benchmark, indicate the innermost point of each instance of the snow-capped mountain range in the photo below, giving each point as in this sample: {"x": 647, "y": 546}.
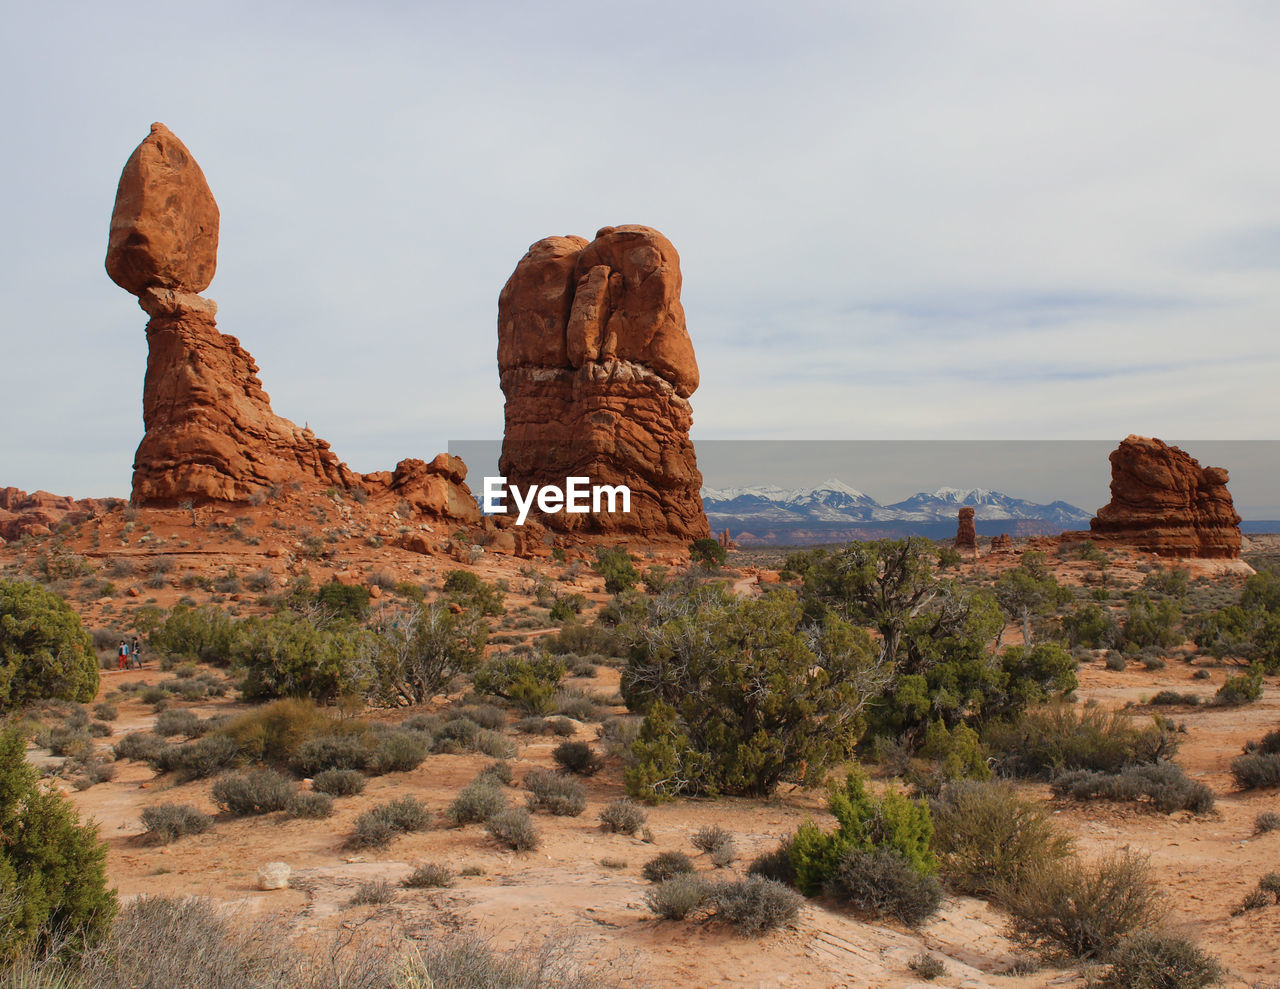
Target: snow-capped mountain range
{"x": 835, "y": 501}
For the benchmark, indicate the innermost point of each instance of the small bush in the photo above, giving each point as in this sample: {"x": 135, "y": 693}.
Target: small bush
{"x": 372, "y": 893}
{"x": 316, "y": 755}
{"x": 622, "y": 816}
{"x": 428, "y": 875}
{"x": 679, "y": 896}
{"x": 258, "y": 791}
{"x": 139, "y": 746}
{"x": 1164, "y": 786}
{"x": 484, "y": 715}
{"x": 310, "y": 804}
{"x": 1239, "y": 690}
{"x": 1116, "y": 662}
{"x": 1255, "y": 770}
{"x": 105, "y": 711}
{"x": 177, "y": 722}
{"x": 578, "y": 758}
{"x": 1265, "y": 894}
{"x": 755, "y": 905}
{"x": 397, "y": 751}
{"x": 1085, "y": 910}
{"x": 666, "y": 865}
{"x": 882, "y": 883}
{"x": 1046, "y": 742}
{"x": 167, "y": 822}
{"x": 554, "y": 793}
{"x": 200, "y": 759}
{"x": 575, "y": 704}
{"x": 495, "y": 745}
{"x": 1172, "y": 698}
{"x": 1155, "y": 960}
{"x": 710, "y": 837}
{"x": 514, "y": 828}
{"x": 371, "y": 831}
{"x": 927, "y": 966}
{"x": 1266, "y": 821}
{"x": 987, "y": 838}
{"x": 776, "y": 864}
{"x": 339, "y": 782}
{"x": 498, "y": 772}
{"x": 380, "y": 825}
{"x": 478, "y": 801}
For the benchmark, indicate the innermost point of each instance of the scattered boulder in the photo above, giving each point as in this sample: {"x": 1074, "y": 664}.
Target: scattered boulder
{"x": 597, "y": 368}
{"x": 274, "y": 875}
{"x": 966, "y": 532}
{"x": 1164, "y": 502}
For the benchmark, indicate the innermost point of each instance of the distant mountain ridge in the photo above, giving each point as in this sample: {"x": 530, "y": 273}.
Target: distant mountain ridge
{"x": 836, "y": 511}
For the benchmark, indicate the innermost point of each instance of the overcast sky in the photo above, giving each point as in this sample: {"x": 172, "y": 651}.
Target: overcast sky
{"x": 897, "y": 220}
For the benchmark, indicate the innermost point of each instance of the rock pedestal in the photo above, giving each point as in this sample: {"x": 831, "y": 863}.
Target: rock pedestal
{"x": 966, "y": 532}
{"x": 597, "y": 368}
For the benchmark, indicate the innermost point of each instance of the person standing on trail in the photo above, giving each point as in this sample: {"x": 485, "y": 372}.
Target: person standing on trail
{"x": 124, "y": 654}
{"x": 135, "y": 654}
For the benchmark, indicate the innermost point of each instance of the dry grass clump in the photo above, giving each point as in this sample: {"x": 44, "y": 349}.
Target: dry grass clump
{"x": 375, "y": 892}
{"x": 514, "y": 828}
{"x": 386, "y": 822}
{"x": 1164, "y": 786}
{"x": 478, "y": 801}
{"x": 257, "y": 791}
{"x": 1265, "y": 894}
{"x": 428, "y": 875}
{"x": 882, "y": 883}
{"x": 339, "y": 782}
{"x": 578, "y": 758}
{"x": 718, "y": 843}
{"x": 987, "y": 838}
{"x": 1084, "y": 910}
{"x": 554, "y": 793}
{"x": 755, "y": 905}
{"x": 168, "y": 822}
{"x": 665, "y": 865}
{"x": 678, "y": 896}
{"x": 622, "y": 816}
{"x": 1158, "y": 960}
{"x": 311, "y": 805}
{"x": 927, "y": 966}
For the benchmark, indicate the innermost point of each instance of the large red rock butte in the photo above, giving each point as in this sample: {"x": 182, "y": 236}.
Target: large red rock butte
{"x": 211, "y": 435}
{"x": 1164, "y": 502}
{"x": 597, "y": 368}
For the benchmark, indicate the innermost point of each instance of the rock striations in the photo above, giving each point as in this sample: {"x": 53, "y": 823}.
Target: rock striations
{"x": 211, "y": 435}
{"x": 1164, "y": 502}
{"x": 597, "y": 368}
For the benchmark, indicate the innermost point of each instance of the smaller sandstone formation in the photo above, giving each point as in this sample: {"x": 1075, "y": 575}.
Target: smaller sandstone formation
{"x": 597, "y": 368}
{"x": 39, "y": 513}
{"x": 1001, "y": 542}
{"x": 1164, "y": 502}
{"x": 966, "y": 532}
{"x": 274, "y": 875}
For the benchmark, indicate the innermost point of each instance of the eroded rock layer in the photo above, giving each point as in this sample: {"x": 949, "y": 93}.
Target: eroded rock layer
{"x": 597, "y": 368}
{"x": 1164, "y": 502}
{"x": 211, "y": 435}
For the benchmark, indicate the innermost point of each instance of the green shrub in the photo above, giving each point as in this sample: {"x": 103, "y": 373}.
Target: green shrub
{"x": 468, "y": 590}
{"x": 485, "y": 715}
{"x": 864, "y": 823}
{"x": 1156, "y": 960}
{"x": 621, "y": 816}
{"x": 1244, "y": 688}
{"x": 703, "y": 733}
{"x": 1163, "y": 785}
{"x": 513, "y": 828}
{"x": 420, "y": 658}
{"x": 194, "y": 633}
{"x": 139, "y": 746}
{"x": 428, "y": 875}
{"x": 51, "y": 865}
{"x": 1172, "y": 698}
{"x": 578, "y": 758}
{"x": 528, "y": 682}
{"x": 988, "y": 839}
{"x": 177, "y": 722}
{"x": 200, "y": 759}
{"x": 573, "y": 703}
{"x": 882, "y": 883}
{"x": 665, "y": 865}
{"x": 615, "y": 566}
{"x": 276, "y": 731}
{"x": 1093, "y": 627}
{"x": 1045, "y": 742}
{"x": 44, "y": 650}
{"x": 755, "y": 905}
{"x": 286, "y": 655}
{"x": 344, "y": 600}
{"x": 311, "y": 805}
{"x": 678, "y": 896}
{"x": 1085, "y": 910}
{"x": 554, "y": 793}
{"x": 167, "y": 822}
{"x": 339, "y": 782}
{"x": 257, "y": 791}
{"x": 478, "y": 801}
{"x": 1151, "y": 624}
{"x": 380, "y": 825}
{"x": 707, "y": 553}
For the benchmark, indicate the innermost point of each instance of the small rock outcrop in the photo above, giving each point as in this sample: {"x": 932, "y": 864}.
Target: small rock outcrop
{"x": 1164, "y": 502}
{"x": 211, "y": 435}
{"x": 39, "y": 513}
{"x": 597, "y": 368}
{"x": 966, "y": 532}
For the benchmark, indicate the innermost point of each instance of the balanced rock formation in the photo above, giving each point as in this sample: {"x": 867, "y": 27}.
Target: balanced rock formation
{"x": 1164, "y": 502}
{"x": 966, "y": 532}
{"x": 597, "y": 368}
{"x": 211, "y": 435}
